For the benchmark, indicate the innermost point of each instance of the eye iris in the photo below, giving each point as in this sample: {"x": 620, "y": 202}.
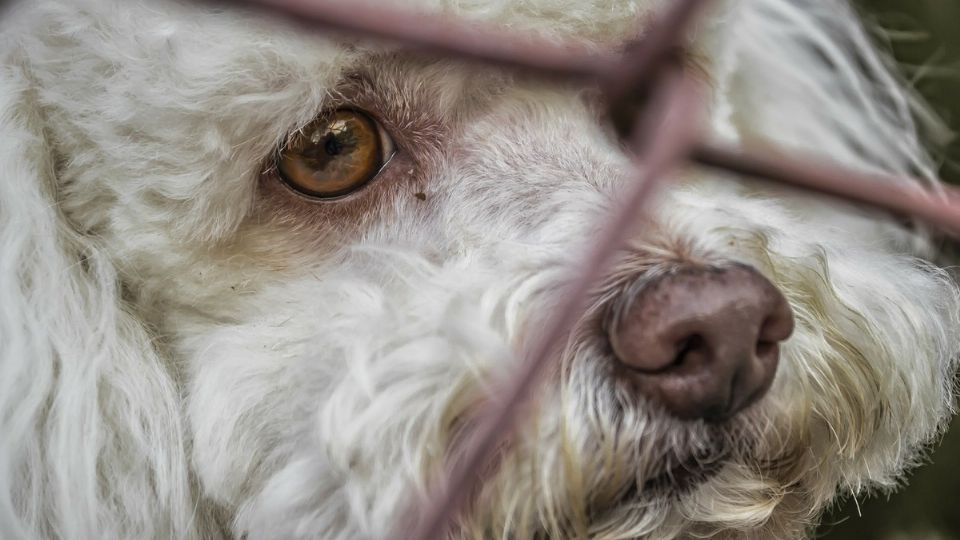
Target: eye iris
{"x": 332, "y": 156}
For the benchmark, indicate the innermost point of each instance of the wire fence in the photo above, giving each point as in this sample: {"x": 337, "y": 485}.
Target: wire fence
{"x": 657, "y": 109}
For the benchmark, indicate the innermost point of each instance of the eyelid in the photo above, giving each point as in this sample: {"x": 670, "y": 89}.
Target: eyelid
{"x": 388, "y": 146}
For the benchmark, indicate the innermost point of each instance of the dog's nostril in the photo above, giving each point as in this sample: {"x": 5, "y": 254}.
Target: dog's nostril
{"x": 686, "y": 347}
{"x": 703, "y": 342}
{"x": 765, "y": 348}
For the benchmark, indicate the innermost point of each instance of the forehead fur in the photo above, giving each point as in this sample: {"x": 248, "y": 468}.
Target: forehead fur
{"x": 601, "y": 20}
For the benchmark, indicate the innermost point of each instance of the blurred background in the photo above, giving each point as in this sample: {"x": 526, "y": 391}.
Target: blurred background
{"x": 924, "y": 36}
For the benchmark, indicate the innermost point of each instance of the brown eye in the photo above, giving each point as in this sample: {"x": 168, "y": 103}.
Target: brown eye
{"x": 335, "y": 154}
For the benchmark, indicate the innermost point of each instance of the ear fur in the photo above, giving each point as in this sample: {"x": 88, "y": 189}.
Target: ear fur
{"x": 804, "y": 76}
{"x": 817, "y": 57}
{"x": 91, "y": 443}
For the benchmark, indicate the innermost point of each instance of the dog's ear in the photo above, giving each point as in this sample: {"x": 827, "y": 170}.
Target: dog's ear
{"x": 808, "y": 76}
{"x": 91, "y": 444}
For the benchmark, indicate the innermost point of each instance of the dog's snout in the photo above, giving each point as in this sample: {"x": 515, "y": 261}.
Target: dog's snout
{"x": 703, "y": 342}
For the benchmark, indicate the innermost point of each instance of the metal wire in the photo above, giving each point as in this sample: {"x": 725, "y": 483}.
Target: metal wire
{"x": 670, "y": 108}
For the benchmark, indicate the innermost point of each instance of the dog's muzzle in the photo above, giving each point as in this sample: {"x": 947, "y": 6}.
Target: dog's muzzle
{"x": 703, "y": 342}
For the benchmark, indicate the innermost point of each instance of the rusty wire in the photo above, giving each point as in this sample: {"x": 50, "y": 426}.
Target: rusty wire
{"x": 644, "y": 86}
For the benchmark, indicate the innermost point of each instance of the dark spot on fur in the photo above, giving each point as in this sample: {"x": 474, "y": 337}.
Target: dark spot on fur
{"x": 420, "y": 195}
{"x": 84, "y": 263}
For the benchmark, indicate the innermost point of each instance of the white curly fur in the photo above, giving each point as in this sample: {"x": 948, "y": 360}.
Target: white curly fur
{"x": 188, "y": 350}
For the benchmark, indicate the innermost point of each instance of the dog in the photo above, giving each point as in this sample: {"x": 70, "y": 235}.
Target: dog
{"x": 258, "y": 282}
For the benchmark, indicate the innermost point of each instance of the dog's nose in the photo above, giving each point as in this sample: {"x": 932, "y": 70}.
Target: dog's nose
{"x": 703, "y": 342}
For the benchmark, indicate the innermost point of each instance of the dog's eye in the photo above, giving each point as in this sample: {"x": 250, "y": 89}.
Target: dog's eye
{"x": 335, "y": 154}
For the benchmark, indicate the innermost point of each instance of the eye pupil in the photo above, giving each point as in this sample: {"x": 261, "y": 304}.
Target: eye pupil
{"x": 333, "y": 146}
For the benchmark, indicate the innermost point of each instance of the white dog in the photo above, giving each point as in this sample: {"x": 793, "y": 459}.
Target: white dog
{"x": 256, "y": 283}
